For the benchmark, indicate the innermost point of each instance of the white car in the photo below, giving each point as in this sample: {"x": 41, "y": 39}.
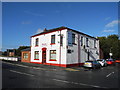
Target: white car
{"x": 102, "y": 62}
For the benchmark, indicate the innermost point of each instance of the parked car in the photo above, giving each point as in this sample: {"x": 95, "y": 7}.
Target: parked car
{"x": 110, "y": 61}
{"x": 92, "y": 64}
{"x": 102, "y": 62}
{"x": 117, "y": 61}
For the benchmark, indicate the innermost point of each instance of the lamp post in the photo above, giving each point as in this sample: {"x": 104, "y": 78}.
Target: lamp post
{"x": 110, "y": 53}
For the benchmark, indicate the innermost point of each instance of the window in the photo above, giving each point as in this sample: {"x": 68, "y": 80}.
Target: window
{"x": 36, "y": 41}
{"x": 69, "y": 51}
{"x": 61, "y": 40}
{"x": 36, "y": 54}
{"x": 81, "y": 40}
{"x": 87, "y": 42}
{"x": 25, "y": 55}
{"x": 53, "y": 54}
{"x": 52, "y": 39}
{"x": 73, "y": 38}
{"x": 94, "y": 43}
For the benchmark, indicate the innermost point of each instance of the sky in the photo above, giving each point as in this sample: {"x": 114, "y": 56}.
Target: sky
{"x": 21, "y": 20}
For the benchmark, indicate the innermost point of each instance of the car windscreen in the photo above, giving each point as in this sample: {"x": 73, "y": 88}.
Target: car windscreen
{"x": 109, "y": 60}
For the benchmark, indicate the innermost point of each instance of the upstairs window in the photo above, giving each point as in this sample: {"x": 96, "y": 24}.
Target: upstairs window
{"x": 52, "y": 39}
{"x": 36, "y": 55}
{"x": 81, "y": 41}
{"x": 36, "y": 41}
{"x": 73, "y": 38}
{"x": 87, "y": 42}
{"x": 94, "y": 43}
{"x": 61, "y": 40}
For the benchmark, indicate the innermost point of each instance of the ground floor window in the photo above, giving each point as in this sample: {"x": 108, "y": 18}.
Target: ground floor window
{"x": 36, "y": 54}
{"x": 53, "y": 54}
{"x": 25, "y": 55}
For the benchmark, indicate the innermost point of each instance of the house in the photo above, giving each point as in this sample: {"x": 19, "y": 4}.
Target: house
{"x": 1, "y": 53}
{"x": 63, "y": 47}
{"x": 25, "y": 55}
{"x": 11, "y": 52}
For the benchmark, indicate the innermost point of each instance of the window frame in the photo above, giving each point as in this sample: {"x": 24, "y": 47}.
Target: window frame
{"x": 73, "y": 38}
{"x": 87, "y": 42}
{"x": 52, "y": 39}
{"x": 81, "y": 40}
{"x": 54, "y": 52}
{"x": 25, "y": 55}
{"x": 35, "y": 55}
{"x": 95, "y": 44}
{"x": 37, "y": 42}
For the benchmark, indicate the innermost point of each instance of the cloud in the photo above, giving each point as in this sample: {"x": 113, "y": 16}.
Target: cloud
{"x": 34, "y": 14}
{"x": 26, "y": 22}
{"x": 112, "y": 24}
{"x": 39, "y": 31}
{"x": 107, "y": 31}
{"x": 107, "y": 18}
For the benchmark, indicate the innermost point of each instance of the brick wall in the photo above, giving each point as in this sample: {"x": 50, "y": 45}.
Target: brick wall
{"x": 25, "y": 59}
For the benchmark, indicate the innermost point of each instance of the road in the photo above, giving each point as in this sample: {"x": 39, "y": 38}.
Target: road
{"x": 18, "y": 76}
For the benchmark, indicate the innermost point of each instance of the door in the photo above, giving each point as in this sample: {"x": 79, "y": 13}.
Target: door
{"x": 43, "y": 55}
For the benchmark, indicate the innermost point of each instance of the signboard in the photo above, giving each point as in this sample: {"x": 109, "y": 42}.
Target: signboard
{"x": 69, "y": 38}
{"x": 44, "y": 44}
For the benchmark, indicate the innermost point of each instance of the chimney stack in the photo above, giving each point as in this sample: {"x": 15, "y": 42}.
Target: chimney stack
{"x": 45, "y": 30}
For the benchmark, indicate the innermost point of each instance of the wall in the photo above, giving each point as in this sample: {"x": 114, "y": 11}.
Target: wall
{"x": 23, "y": 59}
{"x": 9, "y": 58}
{"x": 44, "y": 42}
{"x": 80, "y": 54}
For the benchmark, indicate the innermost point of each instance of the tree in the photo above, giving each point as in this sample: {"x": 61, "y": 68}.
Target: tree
{"x": 111, "y": 44}
{"x": 18, "y": 51}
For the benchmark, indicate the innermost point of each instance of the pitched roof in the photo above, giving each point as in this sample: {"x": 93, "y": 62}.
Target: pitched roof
{"x": 60, "y": 28}
{"x": 27, "y": 49}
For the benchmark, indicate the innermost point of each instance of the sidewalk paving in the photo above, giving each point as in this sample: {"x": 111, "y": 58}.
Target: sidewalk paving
{"x": 45, "y": 67}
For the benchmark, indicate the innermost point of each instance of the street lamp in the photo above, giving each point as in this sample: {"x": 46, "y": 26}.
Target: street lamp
{"x": 110, "y": 53}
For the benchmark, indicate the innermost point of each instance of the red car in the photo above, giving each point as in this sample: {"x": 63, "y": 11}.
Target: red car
{"x": 117, "y": 61}
{"x": 110, "y": 62}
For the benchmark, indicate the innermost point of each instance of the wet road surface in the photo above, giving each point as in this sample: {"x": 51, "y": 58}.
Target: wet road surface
{"x": 21, "y": 76}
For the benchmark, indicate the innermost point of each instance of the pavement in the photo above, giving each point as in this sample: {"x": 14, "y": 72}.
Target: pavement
{"x": 42, "y": 66}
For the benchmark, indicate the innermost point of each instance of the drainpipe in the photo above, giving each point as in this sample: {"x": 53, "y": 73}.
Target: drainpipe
{"x": 78, "y": 50}
{"x": 60, "y": 50}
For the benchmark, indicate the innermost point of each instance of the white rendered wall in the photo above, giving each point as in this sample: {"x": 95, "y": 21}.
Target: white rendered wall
{"x": 65, "y": 58}
{"x": 72, "y": 58}
{"x": 44, "y": 42}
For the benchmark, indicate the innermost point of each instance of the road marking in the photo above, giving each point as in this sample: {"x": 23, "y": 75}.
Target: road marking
{"x": 70, "y": 69}
{"x": 78, "y": 83}
{"x": 109, "y": 74}
{"x": 22, "y": 73}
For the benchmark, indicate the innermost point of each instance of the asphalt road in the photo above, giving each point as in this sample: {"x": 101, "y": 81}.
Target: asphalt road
{"x": 21, "y": 76}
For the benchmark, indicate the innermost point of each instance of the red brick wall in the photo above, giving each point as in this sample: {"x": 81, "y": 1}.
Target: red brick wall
{"x": 23, "y": 59}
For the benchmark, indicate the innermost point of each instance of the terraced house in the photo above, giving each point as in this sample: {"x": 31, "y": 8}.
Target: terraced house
{"x": 63, "y": 47}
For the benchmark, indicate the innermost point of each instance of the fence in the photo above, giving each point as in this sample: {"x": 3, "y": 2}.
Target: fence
{"x": 9, "y": 58}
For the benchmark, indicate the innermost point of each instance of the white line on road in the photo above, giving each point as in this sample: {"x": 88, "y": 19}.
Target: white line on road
{"x": 15, "y": 64}
{"x": 78, "y": 83}
{"x": 26, "y": 66}
{"x": 109, "y": 74}
{"x": 22, "y": 73}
